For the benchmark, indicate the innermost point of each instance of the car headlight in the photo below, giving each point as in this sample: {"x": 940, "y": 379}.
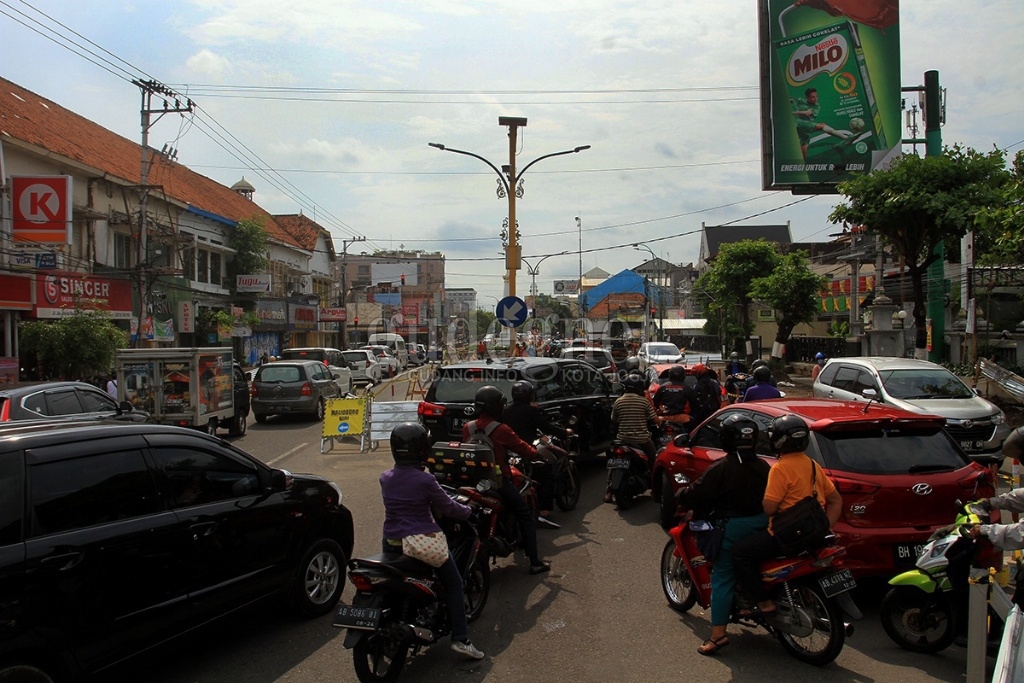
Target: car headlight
{"x": 999, "y": 418}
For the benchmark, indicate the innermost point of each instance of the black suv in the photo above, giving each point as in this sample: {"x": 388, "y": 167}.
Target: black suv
{"x": 117, "y": 537}
{"x": 567, "y": 389}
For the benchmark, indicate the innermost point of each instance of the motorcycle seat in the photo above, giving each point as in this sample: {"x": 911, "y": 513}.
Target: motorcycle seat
{"x": 392, "y": 563}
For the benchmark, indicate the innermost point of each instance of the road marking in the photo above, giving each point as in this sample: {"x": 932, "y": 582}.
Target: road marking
{"x": 286, "y": 454}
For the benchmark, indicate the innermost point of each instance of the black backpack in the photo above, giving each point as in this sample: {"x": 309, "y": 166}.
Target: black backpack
{"x": 708, "y": 399}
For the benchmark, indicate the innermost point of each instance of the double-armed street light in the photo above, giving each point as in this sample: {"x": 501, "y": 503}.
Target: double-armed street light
{"x": 660, "y": 286}
{"x": 510, "y": 184}
{"x": 533, "y": 271}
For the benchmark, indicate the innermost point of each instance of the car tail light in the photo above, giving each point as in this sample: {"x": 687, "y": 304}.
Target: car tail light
{"x": 307, "y": 389}
{"x": 844, "y": 485}
{"x": 978, "y": 481}
{"x": 253, "y": 392}
{"x": 5, "y": 411}
{"x": 425, "y": 409}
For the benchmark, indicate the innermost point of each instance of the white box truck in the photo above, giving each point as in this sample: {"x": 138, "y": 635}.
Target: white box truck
{"x": 188, "y": 387}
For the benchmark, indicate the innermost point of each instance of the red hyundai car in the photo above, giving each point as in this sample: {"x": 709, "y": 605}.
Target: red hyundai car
{"x": 899, "y": 473}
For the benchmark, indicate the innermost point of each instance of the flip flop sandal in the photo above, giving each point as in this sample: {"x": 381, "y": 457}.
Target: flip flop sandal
{"x": 712, "y": 646}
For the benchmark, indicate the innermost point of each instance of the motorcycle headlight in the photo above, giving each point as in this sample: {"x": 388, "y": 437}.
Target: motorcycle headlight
{"x": 939, "y": 549}
{"x": 999, "y": 418}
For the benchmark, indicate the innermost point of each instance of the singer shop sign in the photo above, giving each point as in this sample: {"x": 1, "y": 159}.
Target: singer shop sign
{"x": 61, "y": 294}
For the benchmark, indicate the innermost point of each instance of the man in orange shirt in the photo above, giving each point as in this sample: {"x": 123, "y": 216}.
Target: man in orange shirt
{"x": 789, "y": 482}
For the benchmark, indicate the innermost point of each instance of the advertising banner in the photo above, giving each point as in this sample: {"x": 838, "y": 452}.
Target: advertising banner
{"x": 830, "y": 91}
{"x": 58, "y": 294}
{"x": 333, "y": 314}
{"x": 302, "y": 317}
{"x": 566, "y": 287}
{"x": 253, "y": 283}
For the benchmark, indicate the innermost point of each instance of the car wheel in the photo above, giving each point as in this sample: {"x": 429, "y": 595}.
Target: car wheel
{"x": 319, "y": 579}
{"x": 260, "y": 417}
{"x": 238, "y": 425}
{"x": 321, "y": 410}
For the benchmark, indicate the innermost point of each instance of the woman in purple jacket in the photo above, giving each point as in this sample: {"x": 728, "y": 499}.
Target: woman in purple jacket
{"x": 408, "y": 494}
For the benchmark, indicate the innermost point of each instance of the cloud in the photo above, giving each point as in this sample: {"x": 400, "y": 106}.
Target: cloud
{"x": 208, "y": 65}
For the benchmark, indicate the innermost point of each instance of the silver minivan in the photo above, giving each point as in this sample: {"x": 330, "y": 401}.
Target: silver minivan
{"x": 920, "y": 386}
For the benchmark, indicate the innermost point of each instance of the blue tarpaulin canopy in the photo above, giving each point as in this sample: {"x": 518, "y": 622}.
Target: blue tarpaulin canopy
{"x": 623, "y": 282}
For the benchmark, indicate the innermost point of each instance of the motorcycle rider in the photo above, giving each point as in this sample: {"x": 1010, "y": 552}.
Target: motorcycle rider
{"x": 1007, "y": 536}
{"x": 729, "y": 494}
{"x": 709, "y": 392}
{"x": 528, "y": 421}
{"x": 490, "y": 404}
{"x": 762, "y": 388}
{"x": 409, "y": 492}
{"x": 735, "y": 366}
{"x": 819, "y": 363}
{"x": 631, "y": 414}
{"x": 736, "y": 374}
{"x": 788, "y": 484}
{"x": 677, "y": 400}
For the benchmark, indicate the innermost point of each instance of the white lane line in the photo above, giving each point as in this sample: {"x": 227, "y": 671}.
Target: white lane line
{"x": 286, "y": 454}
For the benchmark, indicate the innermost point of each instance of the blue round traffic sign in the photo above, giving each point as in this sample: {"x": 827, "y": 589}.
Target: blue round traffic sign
{"x": 511, "y": 311}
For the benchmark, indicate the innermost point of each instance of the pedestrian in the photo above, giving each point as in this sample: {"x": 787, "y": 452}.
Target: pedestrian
{"x": 531, "y": 350}
{"x": 112, "y": 386}
{"x": 819, "y": 363}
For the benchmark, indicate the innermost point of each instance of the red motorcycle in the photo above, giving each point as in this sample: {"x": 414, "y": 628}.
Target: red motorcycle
{"x": 500, "y": 534}
{"x": 810, "y": 591}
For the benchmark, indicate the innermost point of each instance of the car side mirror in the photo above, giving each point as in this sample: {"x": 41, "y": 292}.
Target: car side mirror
{"x": 125, "y": 407}
{"x": 681, "y": 440}
{"x": 280, "y": 480}
{"x": 336, "y": 375}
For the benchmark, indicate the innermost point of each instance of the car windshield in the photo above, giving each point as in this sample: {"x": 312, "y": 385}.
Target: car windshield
{"x": 889, "y": 451}
{"x": 921, "y": 384}
{"x": 596, "y": 358}
{"x": 279, "y": 373}
{"x": 663, "y": 350}
{"x": 459, "y": 385}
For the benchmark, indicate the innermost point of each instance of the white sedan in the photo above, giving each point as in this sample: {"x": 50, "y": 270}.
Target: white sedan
{"x": 389, "y": 362}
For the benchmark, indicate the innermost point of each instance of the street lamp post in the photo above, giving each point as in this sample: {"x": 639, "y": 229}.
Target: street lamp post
{"x": 661, "y": 304}
{"x": 510, "y": 185}
{"x": 344, "y": 285}
{"x": 533, "y": 271}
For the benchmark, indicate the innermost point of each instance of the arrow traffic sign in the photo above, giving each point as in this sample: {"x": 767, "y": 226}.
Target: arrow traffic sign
{"x": 511, "y": 311}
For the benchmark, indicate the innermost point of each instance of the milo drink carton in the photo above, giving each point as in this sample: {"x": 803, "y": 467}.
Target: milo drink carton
{"x": 832, "y": 103}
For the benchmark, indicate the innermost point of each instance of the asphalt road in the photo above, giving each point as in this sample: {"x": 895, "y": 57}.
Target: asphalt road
{"x": 600, "y": 615}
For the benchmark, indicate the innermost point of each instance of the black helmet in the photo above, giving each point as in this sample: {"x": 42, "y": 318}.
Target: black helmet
{"x": 634, "y": 384}
{"x": 523, "y": 392}
{"x": 734, "y": 355}
{"x": 762, "y": 374}
{"x": 757, "y": 364}
{"x": 489, "y": 401}
{"x": 410, "y": 443}
{"x": 738, "y": 432}
{"x": 789, "y": 434}
{"x": 677, "y": 373}
{"x": 631, "y": 364}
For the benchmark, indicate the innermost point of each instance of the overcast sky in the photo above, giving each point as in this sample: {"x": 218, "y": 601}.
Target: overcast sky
{"x": 327, "y": 107}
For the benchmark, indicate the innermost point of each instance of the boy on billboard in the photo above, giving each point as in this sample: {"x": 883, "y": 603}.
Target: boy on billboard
{"x": 806, "y": 110}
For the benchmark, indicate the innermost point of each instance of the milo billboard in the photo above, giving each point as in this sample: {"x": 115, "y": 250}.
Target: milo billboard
{"x": 830, "y": 91}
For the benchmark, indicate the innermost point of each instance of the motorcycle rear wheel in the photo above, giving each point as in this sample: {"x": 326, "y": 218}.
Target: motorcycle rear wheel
{"x": 828, "y": 632}
{"x": 675, "y": 580}
{"x": 477, "y": 586}
{"x": 567, "y": 494}
{"x": 380, "y": 656}
{"x": 917, "y": 621}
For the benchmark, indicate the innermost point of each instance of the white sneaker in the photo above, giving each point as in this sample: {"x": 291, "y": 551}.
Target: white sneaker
{"x": 467, "y": 649}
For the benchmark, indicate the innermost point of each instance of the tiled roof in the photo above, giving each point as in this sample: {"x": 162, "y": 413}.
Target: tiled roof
{"x": 29, "y": 118}
{"x": 305, "y": 231}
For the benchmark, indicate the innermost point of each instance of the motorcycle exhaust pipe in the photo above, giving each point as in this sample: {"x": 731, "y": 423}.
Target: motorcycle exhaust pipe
{"x": 418, "y": 633}
{"x": 848, "y": 627}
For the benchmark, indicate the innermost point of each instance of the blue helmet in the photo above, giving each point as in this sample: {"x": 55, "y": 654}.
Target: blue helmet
{"x": 819, "y": 356}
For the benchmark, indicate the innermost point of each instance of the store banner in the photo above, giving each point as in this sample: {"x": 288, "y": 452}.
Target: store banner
{"x": 253, "y": 283}
{"x": 59, "y": 294}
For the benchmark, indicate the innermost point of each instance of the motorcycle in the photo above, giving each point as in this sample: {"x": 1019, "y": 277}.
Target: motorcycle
{"x": 811, "y": 593}
{"x": 399, "y": 603}
{"x": 736, "y": 385}
{"x": 497, "y": 526}
{"x": 629, "y": 473}
{"x": 668, "y": 430}
{"x": 565, "y": 476}
{"x": 927, "y": 605}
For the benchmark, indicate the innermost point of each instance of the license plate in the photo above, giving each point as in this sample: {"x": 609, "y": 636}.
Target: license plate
{"x": 837, "y": 583}
{"x": 361, "y": 618}
{"x": 972, "y": 446}
{"x": 618, "y": 463}
{"x": 457, "y": 423}
{"x": 279, "y": 409}
{"x": 906, "y": 554}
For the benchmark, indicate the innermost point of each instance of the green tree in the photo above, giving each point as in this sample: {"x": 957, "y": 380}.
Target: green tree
{"x": 917, "y": 203}
{"x": 77, "y": 346}
{"x": 484, "y": 320}
{"x": 727, "y": 285}
{"x": 792, "y": 290}
{"x": 1003, "y": 223}
{"x": 249, "y": 240}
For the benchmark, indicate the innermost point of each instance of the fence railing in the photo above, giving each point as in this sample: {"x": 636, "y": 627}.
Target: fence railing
{"x": 803, "y": 349}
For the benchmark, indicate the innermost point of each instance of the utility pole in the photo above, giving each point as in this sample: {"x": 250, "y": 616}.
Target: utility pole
{"x": 149, "y": 89}
{"x": 344, "y": 285}
{"x": 933, "y": 116}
